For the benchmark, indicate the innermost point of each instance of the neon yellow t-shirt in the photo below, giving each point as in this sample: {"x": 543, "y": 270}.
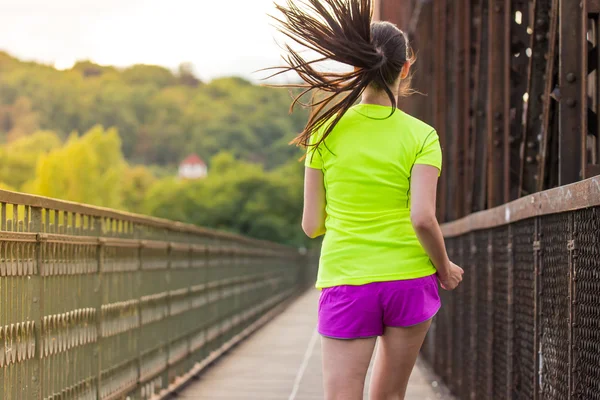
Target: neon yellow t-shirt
{"x": 367, "y": 162}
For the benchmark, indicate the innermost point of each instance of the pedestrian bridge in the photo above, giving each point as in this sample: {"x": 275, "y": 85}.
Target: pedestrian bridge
{"x": 104, "y": 305}
{"x": 283, "y": 361}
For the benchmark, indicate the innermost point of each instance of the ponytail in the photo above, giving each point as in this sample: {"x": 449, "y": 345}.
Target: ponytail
{"x": 339, "y": 30}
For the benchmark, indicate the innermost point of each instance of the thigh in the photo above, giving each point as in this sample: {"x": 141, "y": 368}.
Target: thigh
{"x": 397, "y": 353}
{"x": 345, "y": 365}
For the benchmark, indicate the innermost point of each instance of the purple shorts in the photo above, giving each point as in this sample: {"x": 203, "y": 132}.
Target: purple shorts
{"x": 351, "y": 312}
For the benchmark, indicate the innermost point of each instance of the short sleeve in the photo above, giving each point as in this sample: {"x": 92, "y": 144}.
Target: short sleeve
{"x": 431, "y": 151}
{"x": 313, "y": 154}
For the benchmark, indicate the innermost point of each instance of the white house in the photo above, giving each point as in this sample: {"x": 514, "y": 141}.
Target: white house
{"x": 192, "y": 168}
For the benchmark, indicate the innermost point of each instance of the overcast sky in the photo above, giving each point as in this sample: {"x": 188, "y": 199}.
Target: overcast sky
{"x": 219, "y": 37}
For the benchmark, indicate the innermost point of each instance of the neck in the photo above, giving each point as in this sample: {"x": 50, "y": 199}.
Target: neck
{"x": 378, "y": 97}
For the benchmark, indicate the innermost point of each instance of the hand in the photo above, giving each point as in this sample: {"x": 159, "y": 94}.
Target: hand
{"x": 452, "y": 278}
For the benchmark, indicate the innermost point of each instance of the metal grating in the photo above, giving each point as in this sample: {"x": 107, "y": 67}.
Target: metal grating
{"x": 484, "y": 342}
{"x": 524, "y": 310}
{"x": 554, "y": 302}
{"x": 586, "y": 321}
{"x": 445, "y": 324}
{"x": 469, "y": 324}
{"x": 458, "y": 328}
{"x": 501, "y": 324}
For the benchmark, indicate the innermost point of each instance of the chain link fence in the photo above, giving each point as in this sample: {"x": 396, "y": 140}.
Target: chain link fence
{"x": 525, "y": 323}
{"x": 98, "y": 304}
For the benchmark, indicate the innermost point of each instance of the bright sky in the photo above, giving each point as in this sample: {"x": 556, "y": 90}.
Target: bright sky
{"x": 219, "y": 37}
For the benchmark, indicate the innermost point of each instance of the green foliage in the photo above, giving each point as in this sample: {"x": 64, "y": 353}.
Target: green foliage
{"x": 254, "y": 185}
{"x": 161, "y": 115}
{"x": 87, "y": 169}
{"x": 19, "y": 158}
{"x": 236, "y": 196}
{"x": 136, "y": 183}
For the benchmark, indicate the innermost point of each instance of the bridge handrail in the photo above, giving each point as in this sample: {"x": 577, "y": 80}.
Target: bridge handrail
{"x": 106, "y": 214}
{"x": 524, "y": 322}
{"x": 103, "y": 304}
{"x": 571, "y": 197}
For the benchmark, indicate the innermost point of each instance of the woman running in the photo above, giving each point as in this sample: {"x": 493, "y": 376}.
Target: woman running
{"x": 370, "y": 188}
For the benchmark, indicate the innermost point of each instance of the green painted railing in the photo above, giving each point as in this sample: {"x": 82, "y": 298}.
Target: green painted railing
{"x": 100, "y": 304}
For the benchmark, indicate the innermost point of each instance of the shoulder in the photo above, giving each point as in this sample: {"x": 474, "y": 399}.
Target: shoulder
{"x": 420, "y": 129}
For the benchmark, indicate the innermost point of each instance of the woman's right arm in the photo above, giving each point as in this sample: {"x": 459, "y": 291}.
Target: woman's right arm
{"x": 423, "y": 187}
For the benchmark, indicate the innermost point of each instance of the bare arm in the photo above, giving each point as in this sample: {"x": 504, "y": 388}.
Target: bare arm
{"x": 423, "y": 187}
{"x": 313, "y": 217}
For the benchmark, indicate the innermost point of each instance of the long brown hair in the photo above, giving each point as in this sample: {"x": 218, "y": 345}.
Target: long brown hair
{"x": 342, "y": 31}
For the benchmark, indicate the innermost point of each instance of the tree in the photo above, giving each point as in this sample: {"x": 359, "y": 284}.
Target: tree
{"x": 142, "y": 74}
{"x": 237, "y": 196}
{"x": 87, "y": 169}
{"x": 19, "y": 158}
{"x": 136, "y": 183}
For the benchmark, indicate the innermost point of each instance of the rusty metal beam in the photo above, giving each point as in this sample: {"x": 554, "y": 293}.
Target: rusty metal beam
{"x": 460, "y": 140}
{"x": 440, "y": 103}
{"x": 576, "y": 196}
{"x": 547, "y": 114}
{"x": 475, "y": 39}
{"x": 498, "y": 101}
{"x": 465, "y": 104}
{"x": 538, "y": 95}
{"x": 480, "y": 138}
{"x": 451, "y": 65}
{"x": 520, "y": 52}
{"x": 593, "y": 6}
{"x": 573, "y": 97}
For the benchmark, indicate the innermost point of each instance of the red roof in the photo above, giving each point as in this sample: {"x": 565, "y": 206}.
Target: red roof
{"x": 193, "y": 160}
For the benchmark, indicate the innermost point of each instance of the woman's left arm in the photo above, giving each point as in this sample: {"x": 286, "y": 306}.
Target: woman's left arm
{"x": 314, "y": 214}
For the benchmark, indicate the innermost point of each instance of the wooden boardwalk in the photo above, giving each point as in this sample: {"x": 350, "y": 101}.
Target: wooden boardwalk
{"x": 282, "y": 361}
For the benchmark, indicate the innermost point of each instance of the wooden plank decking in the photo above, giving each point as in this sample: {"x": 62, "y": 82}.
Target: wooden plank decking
{"x": 282, "y": 361}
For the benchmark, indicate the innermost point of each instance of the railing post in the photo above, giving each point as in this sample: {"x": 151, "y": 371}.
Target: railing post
{"x": 37, "y": 308}
{"x": 571, "y": 246}
{"x": 96, "y": 227}
{"x": 510, "y": 312}
{"x": 490, "y": 315}
{"x": 536, "y": 308}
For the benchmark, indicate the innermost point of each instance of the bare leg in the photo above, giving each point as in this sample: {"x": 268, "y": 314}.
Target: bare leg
{"x": 396, "y": 356}
{"x": 345, "y": 365}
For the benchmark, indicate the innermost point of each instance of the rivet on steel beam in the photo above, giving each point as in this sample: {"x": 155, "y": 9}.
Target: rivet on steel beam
{"x": 540, "y": 22}
{"x": 530, "y": 145}
{"x": 571, "y": 77}
{"x": 35, "y": 299}
{"x": 571, "y": 102}
{"x": 529, "y": 160}
{"x": 497, "y": 142}
{"x": 540, "y": 36}
{"x": 496, "y": 129}
{"x": 480, "y": 113}
{"x": 497, "y": 8}
{"x": 498, "y": 115}
{"x": 512, "y": 139}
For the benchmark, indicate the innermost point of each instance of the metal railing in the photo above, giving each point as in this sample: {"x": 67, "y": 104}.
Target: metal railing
{"x": 525, "y": 324}
{"x": 99, "y": 304}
